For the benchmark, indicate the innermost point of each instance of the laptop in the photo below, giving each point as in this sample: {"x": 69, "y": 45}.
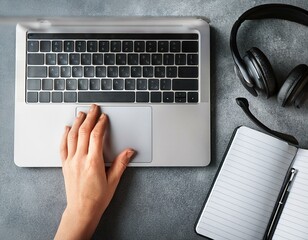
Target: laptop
{"x": 151, "y": 76}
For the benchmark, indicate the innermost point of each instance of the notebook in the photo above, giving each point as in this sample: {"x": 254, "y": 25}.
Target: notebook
{"x": 144, "y": 72}
{"x": 247, "y": 187}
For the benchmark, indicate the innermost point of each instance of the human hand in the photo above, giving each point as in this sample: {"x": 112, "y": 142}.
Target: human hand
{"x": 89, "y": 187}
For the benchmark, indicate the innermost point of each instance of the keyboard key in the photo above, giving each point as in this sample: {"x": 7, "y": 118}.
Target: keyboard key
{"x": 175, "y": 46}
{"x": 74, "y": 59}
{"x": 153, "y": 84}
{"x": 95, "y": 84}
{"x": 65, "y": 71}
{"x": 121, "y": 59}
{"x": 109, "y": 59}
{"x": 32, "y": 97}
{"x": 168, "y": 59}
{"x": 115, "y": 46}
{"x": 80, "y": 46}
{"x": 92, "y": 46}
{"x": 47, "y": 84}
{"x": 51, "y": 59}
{"x": 163, "y": 46}
{"x": 57, "y": 46}
{"x": 85, "y": 59}
{"x": 77, "y": 71}
{"x": 118, "y": 84}
{"x": 100, "y": 71}
{"x": 145, "y": 59}
{"x": 142, "y": 96}
{"x": 185, "y": 84}
{"x": 160, "y": 72}
{"x": 35, "y": 59}
{"x": 57, "y": 97}
{"x": 165, "y": 84}
{"x": 168, "y": 97}
{"x": 106, "y": 84}
{"x": 124, "y": 71}
{"x": 142, "y": 84}
{"x": 139, "y": 46}
{"x": 68, "y": 46}
{"x": 148, "y": 71}
{"x": 151, "y": 46}
{"x": 112, "y": 96}
{"x": 98, "y": 59}
{"x": 34, "y": 84}
{"x": 155, "y": 97}
{"x": 54, "y": 71}
{"x": 71, "y": 84}
{"x": 82, "y": 84}
{"x": 112, "y": 71}
{"x": 132, "y": 59}
{"x": 127, "y": 46}
{"x": 130, "y": 84}
{"x": 35, "y": 71}
{"x": 104, "y": 46}
{"x": 88, "y": 71}
{"x": 136, "y": 71}
{"x": 180, "y": 97}
{"x": 33, "y": 46}
{"x": 44, "y": 97}
{"x": 192, "y": 97}
{"x": 190, "y": 46}
{"x": 180, "y": 59}
{"x": 171, "y": 71}
{"x": 192, "y": 59}
{"x": 62, "y": 59}
{"x": 59, "y": 84}
{"x": 188, "y": 72}
{"x": 45, "y": 46}
{"x": 157, "y": 59}
{"x": 70, "y": 97}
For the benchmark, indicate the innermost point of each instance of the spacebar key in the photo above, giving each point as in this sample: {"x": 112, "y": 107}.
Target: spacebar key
{"x": 106, "y": 97}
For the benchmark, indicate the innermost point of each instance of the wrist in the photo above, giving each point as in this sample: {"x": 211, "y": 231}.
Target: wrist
{"x": 77, "y": 225}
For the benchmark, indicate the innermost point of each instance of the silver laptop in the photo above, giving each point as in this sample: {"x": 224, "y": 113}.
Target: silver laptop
{"x": 150, "y": 75}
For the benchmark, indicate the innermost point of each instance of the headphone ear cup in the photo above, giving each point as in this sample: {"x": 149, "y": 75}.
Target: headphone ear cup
{"x": 294, "y": 86}
{"x": 266, "y": 80}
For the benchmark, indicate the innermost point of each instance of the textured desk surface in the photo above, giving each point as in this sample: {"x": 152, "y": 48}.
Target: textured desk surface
{"x": 150, "y": 203}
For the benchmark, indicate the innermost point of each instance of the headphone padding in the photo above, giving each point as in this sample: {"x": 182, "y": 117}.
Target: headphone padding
{"x": 269, "y": 80}
{"x": 293, "y": 85}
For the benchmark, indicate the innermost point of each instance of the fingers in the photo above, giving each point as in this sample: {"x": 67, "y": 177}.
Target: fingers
{"x": 118, "y": 167}
{"x": 73, "y": 134}
{"x": 96, "y": 137}
{"x": 85, "y": 130}
{"x": 63, "y": 145}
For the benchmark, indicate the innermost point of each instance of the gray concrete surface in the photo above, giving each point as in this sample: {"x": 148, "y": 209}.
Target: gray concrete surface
{"x": 150, "y": 203}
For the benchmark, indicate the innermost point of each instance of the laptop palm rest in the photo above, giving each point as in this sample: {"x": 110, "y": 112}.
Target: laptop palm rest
{"x": 129, "y": 127}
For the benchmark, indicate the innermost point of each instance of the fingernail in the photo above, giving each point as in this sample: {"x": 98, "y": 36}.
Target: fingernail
{"x": 129, "y": 154}
{"x": 92, "y": 107}
{"x": 102, "y": 116}
{"x": 80, "y": 114}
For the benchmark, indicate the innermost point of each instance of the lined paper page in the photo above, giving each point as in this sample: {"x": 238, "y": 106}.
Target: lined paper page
{"x": 245, "y": 191}
{"x": 293, "y": 223}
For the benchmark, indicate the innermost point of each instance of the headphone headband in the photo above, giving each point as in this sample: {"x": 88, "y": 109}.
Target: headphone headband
{"x": 279, "y": 11}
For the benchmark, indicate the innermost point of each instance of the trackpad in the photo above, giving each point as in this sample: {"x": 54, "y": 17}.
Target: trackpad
{"x": 129, "y": 127}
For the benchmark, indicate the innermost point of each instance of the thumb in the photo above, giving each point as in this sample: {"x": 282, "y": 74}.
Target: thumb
{"x": 118, "y": 167}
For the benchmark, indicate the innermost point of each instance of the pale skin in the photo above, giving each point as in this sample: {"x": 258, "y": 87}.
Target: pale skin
{"x": 89, "y": 186}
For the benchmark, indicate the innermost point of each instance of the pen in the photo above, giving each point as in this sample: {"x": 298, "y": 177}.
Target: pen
{"x": 279, "y": 206}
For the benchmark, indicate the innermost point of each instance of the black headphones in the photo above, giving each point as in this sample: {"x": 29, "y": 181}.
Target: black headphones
{"x": 254, "y": 69}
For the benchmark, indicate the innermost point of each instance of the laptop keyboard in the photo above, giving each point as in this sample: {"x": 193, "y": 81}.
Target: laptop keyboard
{"x": 134, "y": 68}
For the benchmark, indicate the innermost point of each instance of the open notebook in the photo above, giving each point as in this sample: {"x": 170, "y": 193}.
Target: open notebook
{"x": 244, "y": 194}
